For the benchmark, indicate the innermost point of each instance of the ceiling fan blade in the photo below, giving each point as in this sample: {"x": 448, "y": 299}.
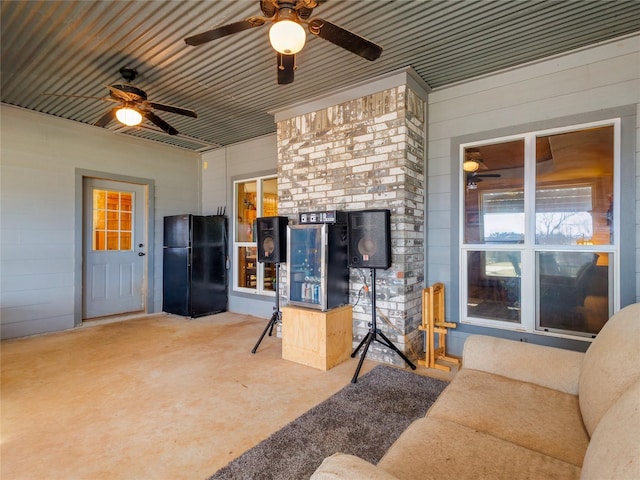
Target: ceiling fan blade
{"x": 152, "y": 117}
{"x": 172, "y": 109}
{"x": 269, "y": 7}
{"x": 286, "y": 66}
{"x": 488, "y": 175}
{"x": 104, "y": 120}
{"x": 345, "y": 39}
{"x": 224, "y": 30}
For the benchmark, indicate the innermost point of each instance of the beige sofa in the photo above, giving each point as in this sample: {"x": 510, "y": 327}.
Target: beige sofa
{"x": 517, "y": 410}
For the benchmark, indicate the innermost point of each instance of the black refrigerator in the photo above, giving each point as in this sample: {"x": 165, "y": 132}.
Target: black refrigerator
{"x": 194, "y": 273}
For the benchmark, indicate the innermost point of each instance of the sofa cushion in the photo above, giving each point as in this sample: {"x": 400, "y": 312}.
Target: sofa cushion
{"x": 341, "y": 466}
{"x": 614, "y": 450}
{"x": 534, "y": 417}
{"x": 610, "y": 366}
{"x": 439, "y": 449}
{"x": 546, "y": 366}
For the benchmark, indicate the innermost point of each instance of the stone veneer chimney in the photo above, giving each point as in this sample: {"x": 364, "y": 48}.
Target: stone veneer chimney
{"x": 366, "y": 151}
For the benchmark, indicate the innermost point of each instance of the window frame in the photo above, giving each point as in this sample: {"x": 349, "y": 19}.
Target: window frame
{"x": 529, "y": 321}
{"x": 237, "y": 245}
{"x": 108, "y": 231}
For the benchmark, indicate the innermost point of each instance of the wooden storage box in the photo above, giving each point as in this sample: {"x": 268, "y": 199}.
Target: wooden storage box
{"x": 315, "y": 338}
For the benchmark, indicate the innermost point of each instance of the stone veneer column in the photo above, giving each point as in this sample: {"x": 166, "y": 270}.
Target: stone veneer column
{"x": 366, "y": 153}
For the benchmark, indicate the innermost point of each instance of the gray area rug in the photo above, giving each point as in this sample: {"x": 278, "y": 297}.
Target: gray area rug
{"x": 362, "y": 419}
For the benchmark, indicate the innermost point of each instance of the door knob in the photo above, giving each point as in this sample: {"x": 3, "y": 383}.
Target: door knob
{"x": 141, "y": 254}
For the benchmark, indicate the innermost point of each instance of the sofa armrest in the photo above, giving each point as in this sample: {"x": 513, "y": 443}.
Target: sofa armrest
{"x": 545, "y": 366}
{"x": 349, "y": 467}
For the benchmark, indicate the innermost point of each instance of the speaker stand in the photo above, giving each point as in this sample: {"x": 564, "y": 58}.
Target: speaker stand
{"x": 374, "y": 333}
{"x": 277, "y": 314}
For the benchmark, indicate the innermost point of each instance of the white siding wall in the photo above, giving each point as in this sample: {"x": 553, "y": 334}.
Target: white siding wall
{"x": 586, "y": 81}
{"x": 39, "y": 158}
{"x": 225, "y": 165}
{"x": 215, "y": 184}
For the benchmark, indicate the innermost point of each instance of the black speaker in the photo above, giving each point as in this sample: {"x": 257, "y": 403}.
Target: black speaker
{"x": 272, "y": 239}
{"x": 369, "y": 234}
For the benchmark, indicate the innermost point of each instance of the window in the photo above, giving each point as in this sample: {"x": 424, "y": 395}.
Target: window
{"x": 112, "y": 220}
{"x": 257, "y": 197}
{"x": 538, "y": 246}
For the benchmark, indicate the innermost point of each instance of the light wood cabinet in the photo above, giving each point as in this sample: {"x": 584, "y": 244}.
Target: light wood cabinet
{"x": 315, "y": 338}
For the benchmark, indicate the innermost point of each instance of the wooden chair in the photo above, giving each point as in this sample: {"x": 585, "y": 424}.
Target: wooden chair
{"x": 433, "y": 316}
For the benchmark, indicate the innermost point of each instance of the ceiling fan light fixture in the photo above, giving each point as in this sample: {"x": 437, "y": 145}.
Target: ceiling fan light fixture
{"x": 287, "y": 37}
{"x": 129, "y": 116}
{"x": 470, "y": 166}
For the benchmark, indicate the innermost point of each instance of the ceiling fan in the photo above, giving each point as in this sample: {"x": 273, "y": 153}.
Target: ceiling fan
{"x": 474, "y": 177}
{"x": 134, "y": 105}
{"x": 287, "y": 34}
{"x": 473, "y": 160}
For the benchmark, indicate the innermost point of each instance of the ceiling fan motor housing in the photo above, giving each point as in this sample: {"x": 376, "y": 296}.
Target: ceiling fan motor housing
{"x": 129, "y": 74}
{"x": 135, "y": 94}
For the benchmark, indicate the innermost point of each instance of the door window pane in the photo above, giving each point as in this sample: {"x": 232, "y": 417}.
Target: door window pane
{"x": 112, "y": 227}
{"x": 113, "y": 241}
{"x": 125, "y": 221}
{"x": 125, "y": 241}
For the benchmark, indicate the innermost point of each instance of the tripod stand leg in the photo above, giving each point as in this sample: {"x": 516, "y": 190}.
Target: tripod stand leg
{"x": 368, "y": 338}
{"x": 389, "y": 344}
{"x": 272, "y": 322}
{"x": 364, "y": 339}
{"x": 276, "y": 312}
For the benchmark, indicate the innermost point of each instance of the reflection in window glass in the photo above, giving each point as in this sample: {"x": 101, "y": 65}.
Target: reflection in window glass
{"x": 270, "y": 197}
{"x": 494, "y": 193}
{"x": 574, "y": 188}
{"x": 247, "y": 267}
{"x": 493, "y": 285}
{"x": 269, "y": 281}
{"x": 573, "y": 291}
{"x": 503, "y": 216}
{"x": 563, "y": 215}
{"x": 247, "y": 205}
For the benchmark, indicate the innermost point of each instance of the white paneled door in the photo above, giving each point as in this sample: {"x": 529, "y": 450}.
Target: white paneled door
{"x": 115, "y": 248}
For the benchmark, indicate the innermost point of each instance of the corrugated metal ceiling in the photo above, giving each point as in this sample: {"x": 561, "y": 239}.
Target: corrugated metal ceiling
{"x": 78, "y": 47}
